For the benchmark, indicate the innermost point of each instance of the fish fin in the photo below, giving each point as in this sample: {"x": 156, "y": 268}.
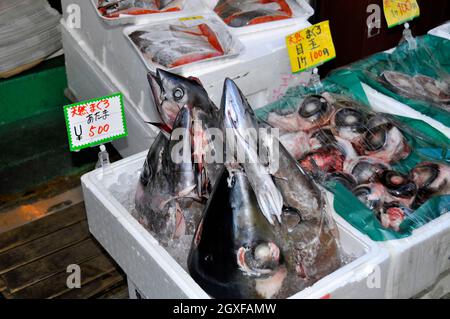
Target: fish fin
{"x": 186, "y": 191}
{"x": 180, "y": 222}
{"x": 183, "y": 194}
{"x": 163, "y": 127}
{"x": 193, "y": 78}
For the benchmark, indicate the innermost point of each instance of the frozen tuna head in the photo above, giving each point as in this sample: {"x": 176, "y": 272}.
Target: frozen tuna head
{"x": 255, "y": 152}
{"x": 168, "y": 198}
{"x": 237, "y": 112}
{"x": 235, "y": 253}
{"x": 152, "y": 166}
{"x": 171, "y": 92}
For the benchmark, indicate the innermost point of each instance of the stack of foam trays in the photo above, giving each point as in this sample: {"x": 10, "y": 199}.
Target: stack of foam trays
{"x": 29, "y": 33}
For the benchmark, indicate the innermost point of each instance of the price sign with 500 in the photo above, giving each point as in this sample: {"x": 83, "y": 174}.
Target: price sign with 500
{"x": 400, "y": 11}
{"x": 310, "y": 47}
{"x": 95, "y": 122}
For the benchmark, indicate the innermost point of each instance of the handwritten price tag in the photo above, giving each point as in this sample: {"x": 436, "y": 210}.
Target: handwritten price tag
{"x": 400, "y": 11}
{"x": 310, "y": 47}
{"x": 95, "y": 122}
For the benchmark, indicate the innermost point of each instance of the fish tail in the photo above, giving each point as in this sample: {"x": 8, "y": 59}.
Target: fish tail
{"x": 212, "y": 37}
{"x": 193, "y": 58}
{"x": 265, "y": 19}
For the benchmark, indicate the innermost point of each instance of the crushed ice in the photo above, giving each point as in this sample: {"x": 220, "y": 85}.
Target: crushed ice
{"x": 124, "y": 189}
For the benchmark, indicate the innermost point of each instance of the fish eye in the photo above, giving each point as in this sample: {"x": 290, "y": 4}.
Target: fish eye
{"x": 178, "y": 94}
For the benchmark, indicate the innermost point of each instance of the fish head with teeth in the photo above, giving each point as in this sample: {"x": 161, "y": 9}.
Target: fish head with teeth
{"x": 171, "y": 92}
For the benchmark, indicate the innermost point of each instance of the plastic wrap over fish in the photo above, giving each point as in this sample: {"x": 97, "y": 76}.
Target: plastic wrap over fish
{"x": 416, "y": 76}
{"x": 115, "y": 8}
{"x": 239, "y": 13}
{"x": 176, "y": 43}
{"x": 401, "y": 175}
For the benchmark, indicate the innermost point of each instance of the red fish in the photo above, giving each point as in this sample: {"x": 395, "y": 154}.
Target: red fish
{"x": 176, "y": 45}
{"x": 238, "y": 13}
{"x": 113, "y": 9}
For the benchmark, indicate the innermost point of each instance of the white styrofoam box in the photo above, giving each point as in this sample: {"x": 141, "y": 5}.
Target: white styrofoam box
{"x": 442, "y": 31}
{"x": 439, "y": 290}
{"x": 191, "y": 7}
{"x": 302, "y": 11}
{"x": 86, "y": 81}
{"x": 157, "y": 275}
{"x": 386, "y": 104}
{"x": 416, "y": 262}
{"x": 134, "y": 292}
{"x": 264, "y": 58}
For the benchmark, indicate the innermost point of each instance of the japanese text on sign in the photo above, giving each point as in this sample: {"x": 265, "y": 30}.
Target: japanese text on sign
{"x": 310, "y": 47}
{"x": 95, "y": 122}
{"x": 400, "y": 11}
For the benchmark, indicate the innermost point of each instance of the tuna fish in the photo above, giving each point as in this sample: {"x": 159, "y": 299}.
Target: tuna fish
{"x": 169, "y": 201}
{"x": 171, "y": 92}
{"x": 239, "y": 251}
{"x": 241, "y": 125}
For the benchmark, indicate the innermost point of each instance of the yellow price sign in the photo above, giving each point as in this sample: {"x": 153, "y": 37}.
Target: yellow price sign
{"x": 400, "y": 11}
{"x": 310, "y": 47}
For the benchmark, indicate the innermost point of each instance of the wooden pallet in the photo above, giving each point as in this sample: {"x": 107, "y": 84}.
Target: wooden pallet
{"x": 34, "y": 259}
